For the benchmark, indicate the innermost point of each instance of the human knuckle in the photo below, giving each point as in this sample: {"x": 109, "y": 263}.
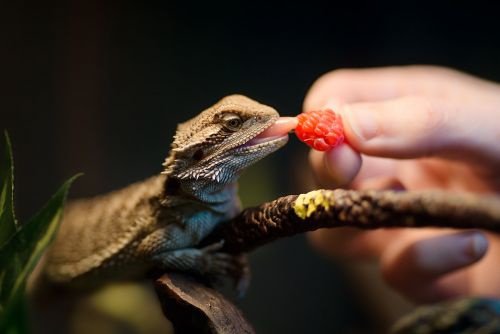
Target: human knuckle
{"x": 430, "y": 70}
{"x": 337, "y": 75}
{"x": 432, "y": 117}
{"x": 331, "y": 78}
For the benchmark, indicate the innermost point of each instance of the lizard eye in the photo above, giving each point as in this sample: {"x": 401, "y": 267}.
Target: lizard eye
{"x": 232, "y": 122}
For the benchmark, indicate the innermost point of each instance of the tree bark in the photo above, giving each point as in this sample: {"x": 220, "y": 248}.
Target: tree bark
{"x": 295, "y": 214}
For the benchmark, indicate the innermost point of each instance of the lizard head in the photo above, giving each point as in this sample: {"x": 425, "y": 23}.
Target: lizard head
{"x": 222, "y": 141}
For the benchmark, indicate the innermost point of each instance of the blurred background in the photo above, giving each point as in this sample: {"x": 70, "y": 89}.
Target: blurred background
{"x": 98, "y": 87}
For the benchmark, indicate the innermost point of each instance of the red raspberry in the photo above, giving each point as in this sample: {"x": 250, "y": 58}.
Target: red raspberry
{"x": 320, "y": 129}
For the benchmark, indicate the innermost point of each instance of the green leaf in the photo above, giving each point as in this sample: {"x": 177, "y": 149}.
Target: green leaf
{"x": 15, "y": 319}
{"x": 8, "y": 224}
{"x": 20, "y": 254}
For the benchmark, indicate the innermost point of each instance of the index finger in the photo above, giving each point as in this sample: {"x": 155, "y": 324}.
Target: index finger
{"x": 375, "y": 84}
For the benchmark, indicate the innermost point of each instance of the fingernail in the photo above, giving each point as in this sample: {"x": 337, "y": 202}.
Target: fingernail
{"x": 478, "y": 245}
{"x": 362, "y": 121}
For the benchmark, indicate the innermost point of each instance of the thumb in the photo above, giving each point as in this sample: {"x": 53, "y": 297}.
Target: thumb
{"x": 417, "y": 266}
{"x": 413, "y": 127}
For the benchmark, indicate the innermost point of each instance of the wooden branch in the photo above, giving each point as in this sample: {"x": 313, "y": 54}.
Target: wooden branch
{"x": 195, "y": 308}
{"x": 464, "y": 315}
{"x": 192, "y": 307}
{"x": 294, "y": 214}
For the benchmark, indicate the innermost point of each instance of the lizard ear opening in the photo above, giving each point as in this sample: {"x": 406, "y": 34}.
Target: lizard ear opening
{"x": 198, "y": 154}
{"x": 172, "y": 186}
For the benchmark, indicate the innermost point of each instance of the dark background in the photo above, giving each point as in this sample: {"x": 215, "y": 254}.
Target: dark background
{"x": 98, "y": 87}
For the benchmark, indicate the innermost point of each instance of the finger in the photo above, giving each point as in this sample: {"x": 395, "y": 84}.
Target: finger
{"x": 418, "y": 127}
{"x": 342, "y": 242}
{"x": 374, "y": 84}
{"x": 337, "y": 167}
{"x": 375, "y": 168}
{"x": 391, "y": 183}
{"x": 415, "y": 267}
{"x": 485, "y": 278}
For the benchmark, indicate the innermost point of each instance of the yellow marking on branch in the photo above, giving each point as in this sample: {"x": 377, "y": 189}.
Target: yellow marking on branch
{"x": 306, "y": 204}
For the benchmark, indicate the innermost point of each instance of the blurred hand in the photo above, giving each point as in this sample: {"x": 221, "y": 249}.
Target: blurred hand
{"x": 416, "y": 127}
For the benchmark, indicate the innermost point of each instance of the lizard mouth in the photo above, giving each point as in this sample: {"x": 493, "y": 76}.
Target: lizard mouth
{"x": 277, "y": 131}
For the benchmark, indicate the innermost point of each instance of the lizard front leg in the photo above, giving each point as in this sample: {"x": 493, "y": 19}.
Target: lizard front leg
{"x": 171, "y": 248}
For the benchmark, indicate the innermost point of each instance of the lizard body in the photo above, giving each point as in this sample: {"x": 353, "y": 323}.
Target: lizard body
{"x": 157, "y": 223}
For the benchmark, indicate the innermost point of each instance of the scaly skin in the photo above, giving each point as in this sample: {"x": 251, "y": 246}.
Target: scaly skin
{"x": 158, "y": 222}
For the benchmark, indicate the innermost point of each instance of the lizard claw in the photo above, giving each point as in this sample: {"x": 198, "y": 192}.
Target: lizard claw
{"x": 241, "y": 276}
{"x": 214, "y": 263}
{"x": 217, "y": 265}
{"x": 209, "y": 263}
{"x": 213, "y": 247}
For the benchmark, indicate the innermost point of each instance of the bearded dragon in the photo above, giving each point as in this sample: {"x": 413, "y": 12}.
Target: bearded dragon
{"x": 157, "y": 223}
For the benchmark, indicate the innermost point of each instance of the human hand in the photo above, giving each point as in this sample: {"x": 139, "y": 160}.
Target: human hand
{"x": 416, "y": 127}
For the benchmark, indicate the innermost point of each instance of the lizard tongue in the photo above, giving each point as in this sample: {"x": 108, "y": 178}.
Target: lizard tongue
{"x": 279, "y": 129}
